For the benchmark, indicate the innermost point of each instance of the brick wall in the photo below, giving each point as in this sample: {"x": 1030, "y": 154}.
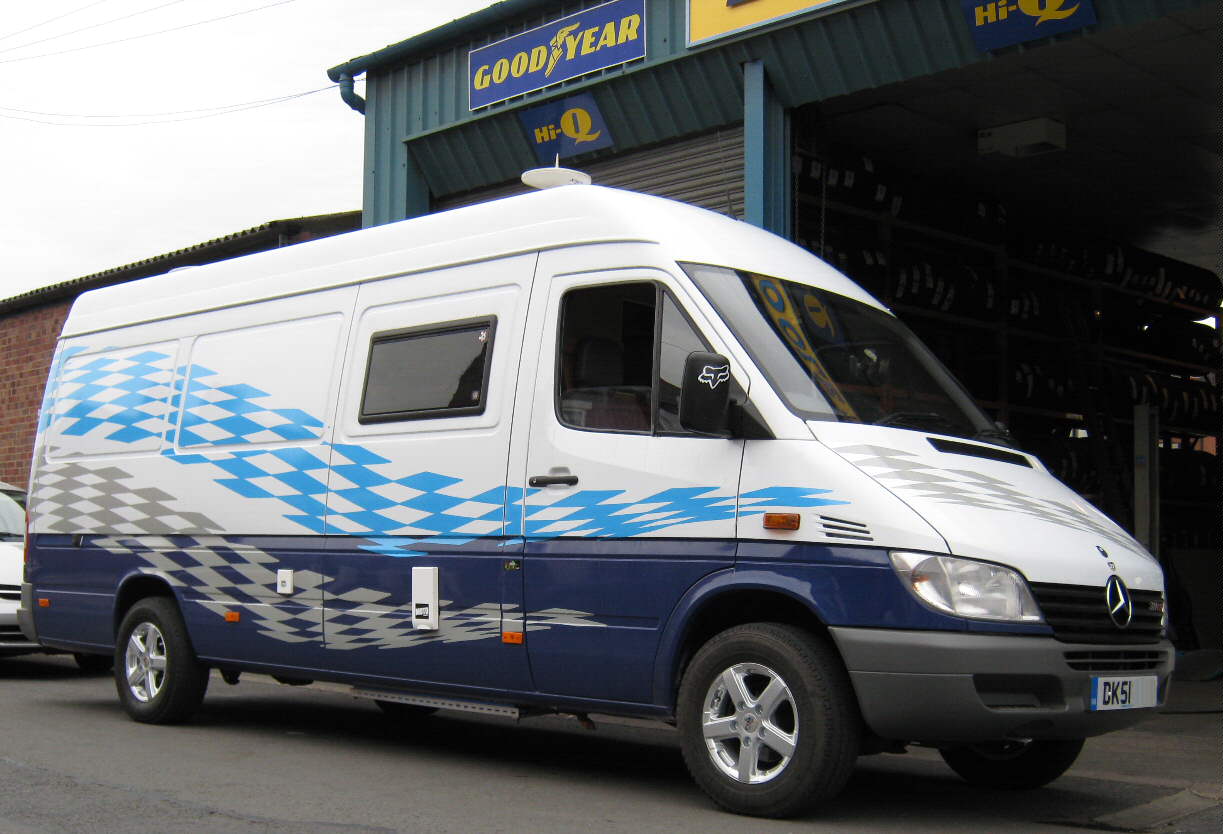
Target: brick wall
{"x": 27, "y": 341}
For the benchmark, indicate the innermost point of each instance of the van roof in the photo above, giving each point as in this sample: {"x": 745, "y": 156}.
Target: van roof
{"x": 552, "y": 218}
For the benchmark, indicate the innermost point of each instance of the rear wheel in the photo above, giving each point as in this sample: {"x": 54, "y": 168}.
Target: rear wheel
{"x": 1016, "y": 764}
{"x": 157, "y": 675}
{"x": 768, "y": 722}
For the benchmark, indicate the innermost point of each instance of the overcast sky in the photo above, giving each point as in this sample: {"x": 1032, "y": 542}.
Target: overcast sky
{"x": 80, "y": 194}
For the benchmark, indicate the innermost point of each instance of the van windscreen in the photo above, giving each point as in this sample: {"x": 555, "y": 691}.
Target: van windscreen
{"x": 834, "y": 358}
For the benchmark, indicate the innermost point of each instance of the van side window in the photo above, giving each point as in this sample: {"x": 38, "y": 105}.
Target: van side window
{"x": 623, "y": 348}
{"x": 677, "y": 340}
{"x": 428, "y": 372}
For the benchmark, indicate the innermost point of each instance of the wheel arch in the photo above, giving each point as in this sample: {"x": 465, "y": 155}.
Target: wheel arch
{"x": 135, "y": 587}
{"x": 720, "y": 601}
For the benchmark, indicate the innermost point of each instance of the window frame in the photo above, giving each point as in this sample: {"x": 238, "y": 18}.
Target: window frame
{"x": 661, "y": 290}
{"x": 435, "y": 328}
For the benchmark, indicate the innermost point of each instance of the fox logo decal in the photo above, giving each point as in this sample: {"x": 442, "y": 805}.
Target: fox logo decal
{"x": 714, "y": 375}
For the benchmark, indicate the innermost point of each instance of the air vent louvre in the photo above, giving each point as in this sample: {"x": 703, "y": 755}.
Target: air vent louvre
{"x": 843, "y": 528}
{"x": 972, "y": 450}
{"x": 1115, "y": 661}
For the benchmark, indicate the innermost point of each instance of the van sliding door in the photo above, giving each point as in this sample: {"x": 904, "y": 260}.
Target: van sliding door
{"x": 422, "y": 573}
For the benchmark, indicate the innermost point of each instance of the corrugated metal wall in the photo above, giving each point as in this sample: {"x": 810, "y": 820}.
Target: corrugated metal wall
{"x": 706, "y": 171}
{"x": 675, "y": 91}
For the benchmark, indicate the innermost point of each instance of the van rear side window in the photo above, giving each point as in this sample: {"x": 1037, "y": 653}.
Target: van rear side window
{"x": 428, "y": 372}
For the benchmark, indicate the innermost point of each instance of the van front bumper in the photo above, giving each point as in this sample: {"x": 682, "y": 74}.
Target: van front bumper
{"x": 939, "y": 687}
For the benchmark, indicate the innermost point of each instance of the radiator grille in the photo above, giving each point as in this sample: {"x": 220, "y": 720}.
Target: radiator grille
{"x": 1115, "y": 661}
{"x": 10, "y": 592}
{"x": 1078, "y": 614}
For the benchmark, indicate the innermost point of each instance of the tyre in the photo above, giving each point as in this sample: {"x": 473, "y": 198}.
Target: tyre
{"x": 1014, "y": 765}
{"x": 93, "y": 664}
{"x": 404, "y": 712}
{"x": 157, "y": 675}
{"x": 768, "y": 722}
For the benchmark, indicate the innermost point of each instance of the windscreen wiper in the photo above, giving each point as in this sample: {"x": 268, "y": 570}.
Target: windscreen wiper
{"x": 1000, "y": 436}
{"x": 926, "y": 420}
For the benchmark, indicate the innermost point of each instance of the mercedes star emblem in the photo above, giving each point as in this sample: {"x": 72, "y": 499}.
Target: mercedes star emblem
{"x": 1117, "y": 599}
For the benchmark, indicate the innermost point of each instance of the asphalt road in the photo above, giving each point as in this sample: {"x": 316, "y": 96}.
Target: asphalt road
{"x": 262, "y": 757}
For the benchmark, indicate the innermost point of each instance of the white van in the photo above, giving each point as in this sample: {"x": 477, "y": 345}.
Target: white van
{"x": 580, "y": 450}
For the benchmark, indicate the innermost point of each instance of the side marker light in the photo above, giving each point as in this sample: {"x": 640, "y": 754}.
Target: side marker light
{"x": 515, "y": 637}
{"x": 232, "y": 616}
{"x": 43, "y": 602}
{"x": 781, "y": 521}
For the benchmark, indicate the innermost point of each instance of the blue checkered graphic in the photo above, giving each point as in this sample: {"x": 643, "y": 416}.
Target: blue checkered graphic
{"x": 227, "y": 415}
{"x": 612, "y": 514}
{"x": 45, "y": 413}
{"x": 120, "y": 398}
{"x": 365, "y": 498}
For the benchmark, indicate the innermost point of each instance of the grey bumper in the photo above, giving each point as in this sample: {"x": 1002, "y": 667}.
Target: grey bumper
{"x": 25, "y": 613}
{"x": 951, "y": 687}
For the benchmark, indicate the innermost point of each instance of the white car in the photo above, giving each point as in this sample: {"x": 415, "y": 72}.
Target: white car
{"x": 12, "y": 559}
{"x": 12, "y": 545}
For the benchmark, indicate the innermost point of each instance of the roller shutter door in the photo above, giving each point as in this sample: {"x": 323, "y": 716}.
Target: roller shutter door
{"x": 706, "y": 171}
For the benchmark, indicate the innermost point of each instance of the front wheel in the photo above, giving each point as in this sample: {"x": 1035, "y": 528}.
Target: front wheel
{"x": 1015, "y": 764}
{"x": 157, "y": 675}
{"x": 768, "y": 722}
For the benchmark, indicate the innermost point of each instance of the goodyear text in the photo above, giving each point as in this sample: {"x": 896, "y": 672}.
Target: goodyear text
{"x": 594, "y": 39}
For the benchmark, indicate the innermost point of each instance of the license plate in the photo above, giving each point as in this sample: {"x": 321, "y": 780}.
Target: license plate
{"x": 1123, "y": 693}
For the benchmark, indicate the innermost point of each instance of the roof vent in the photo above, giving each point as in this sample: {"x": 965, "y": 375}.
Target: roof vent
{"x": 552, "y": 177}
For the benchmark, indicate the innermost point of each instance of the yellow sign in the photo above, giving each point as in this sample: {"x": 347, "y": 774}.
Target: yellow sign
{"x": 788, "y": 325}
{"x": 710, "y": 19}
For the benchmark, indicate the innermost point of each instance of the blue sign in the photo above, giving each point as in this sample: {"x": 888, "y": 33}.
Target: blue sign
{"x": 565, "y": 127}
{"x": 595, "y": 39}
{"x": 1000, "y": 23}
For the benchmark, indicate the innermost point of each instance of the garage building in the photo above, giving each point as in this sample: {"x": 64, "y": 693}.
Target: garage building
{"x": 1033, "y": 186}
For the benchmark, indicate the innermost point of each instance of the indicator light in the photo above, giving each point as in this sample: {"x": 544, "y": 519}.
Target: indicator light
{"x": 781, "y": 521}
{"x": 514, "y": 637}
{"x": 232, "y": 616}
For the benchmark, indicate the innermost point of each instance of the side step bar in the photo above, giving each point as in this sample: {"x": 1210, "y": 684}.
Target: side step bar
{"x": 481, "y": 707}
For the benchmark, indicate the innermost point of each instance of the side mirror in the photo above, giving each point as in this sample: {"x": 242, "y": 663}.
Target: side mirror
{"x": 704, "y": 394}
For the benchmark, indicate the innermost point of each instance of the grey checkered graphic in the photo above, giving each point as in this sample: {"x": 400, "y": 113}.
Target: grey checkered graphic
{"x": 72, "y": 498}
{"x": 195, "y": 568}
{"x": 904, "y": 472}
{"x": 387, "y": 627}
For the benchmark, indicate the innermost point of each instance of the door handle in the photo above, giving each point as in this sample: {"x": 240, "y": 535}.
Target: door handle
{"x": 552, "y": 480}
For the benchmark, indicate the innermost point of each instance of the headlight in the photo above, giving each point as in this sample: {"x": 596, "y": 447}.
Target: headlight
{"x": 967, "y": 588}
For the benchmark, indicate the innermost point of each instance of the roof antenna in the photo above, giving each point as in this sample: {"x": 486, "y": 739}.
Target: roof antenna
{"x": 555, "y": 176}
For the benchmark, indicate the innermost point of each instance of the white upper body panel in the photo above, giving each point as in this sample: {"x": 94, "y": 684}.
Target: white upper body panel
{"x": 1012, "y": 514}
{"x": 566, "y": 216}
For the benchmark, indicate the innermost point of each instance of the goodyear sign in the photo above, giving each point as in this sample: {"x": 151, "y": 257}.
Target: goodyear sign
{"x": 566, "y": 127}
{"x": 711, "y": 19}
{"x": 1000, "y": 23}
{"x": 595, "y": 39}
